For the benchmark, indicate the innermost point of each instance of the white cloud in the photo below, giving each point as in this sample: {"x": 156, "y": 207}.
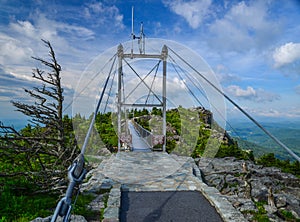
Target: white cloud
{"x": 193, "y": 11}
{"x": 239, "y": 92}
{"x": 41, "y": 27}
{"x": 245, "y": 26}
{"x": 292, "y": 113}
{"x": 24, "y": 27}
{"x": 12, "y": 50}
{"x": 101, "y": 14}
{"x": 22, "y": 39}
{"x": 257, "y": 95}
{"x": 286, "y": 54}
{"x": 223, "y": 75}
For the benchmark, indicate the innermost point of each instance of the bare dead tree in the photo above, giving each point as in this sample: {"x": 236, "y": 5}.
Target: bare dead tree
{"x": 43, "y": 148}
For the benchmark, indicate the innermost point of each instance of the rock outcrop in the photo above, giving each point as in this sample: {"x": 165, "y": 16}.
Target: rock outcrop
{"x": 254, "y": 190}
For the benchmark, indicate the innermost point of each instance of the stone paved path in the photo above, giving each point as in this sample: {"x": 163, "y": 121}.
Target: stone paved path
{"x": 154, "y": 172}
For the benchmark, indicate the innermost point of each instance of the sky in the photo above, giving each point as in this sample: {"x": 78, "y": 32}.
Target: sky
{"x": 253, "y": 47}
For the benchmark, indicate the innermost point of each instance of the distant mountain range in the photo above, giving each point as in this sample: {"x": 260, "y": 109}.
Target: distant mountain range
{"x": 249, "y": 136}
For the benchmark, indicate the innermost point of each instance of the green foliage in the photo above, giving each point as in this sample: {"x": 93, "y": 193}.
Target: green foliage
{"x": 144, "y": 122}
{"x": 103, "y": 135}
{"x": 156, "y": 112}
{"x": 138, "y": 112}
{"x": 288, "y": 216}
{"x": 106, "y": 130}
{"x": 170, "y": 146}
{"x": 173, "y": 117}
{"x": 19, "y": 198}
{"x": 18, "y": 203}
{"x": 269, "y": 160}
{"x": 234, "y": 150}
{"x": 105, "y": 200}
{"x": 80, "y": 207}
{"x": 261, "y": 214}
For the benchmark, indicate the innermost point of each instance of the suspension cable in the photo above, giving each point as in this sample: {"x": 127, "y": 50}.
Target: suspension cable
{"x": 91, "y": 80}
{"x": 202, "y": 93}
{"x": 188, "y": 88}
{"x": 191, "y": 92}
{"x": 142, "y": 80}
{"x": 157, "y": 66}
{"x": 237, "y": 106}
{"x": 109, "y": 92}
{"x": 96, "y": 111}
{"x": 174, "y": 61}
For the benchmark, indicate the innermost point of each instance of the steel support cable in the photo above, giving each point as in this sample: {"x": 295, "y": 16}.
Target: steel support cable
{"x": 109, "y": 92}
{"x": 157, "y": 66}
{"x": 86, "y": 140}
{"x": 91, "y": 80}
{"x": 191, "y": 80}
{"x": 142, "y": 80}
{"x": 200, "y": 90}
{"x": 186, "y": 74}
{"x": 77, "y": 172}
{"x": 240, "y": 108}
{"x": 188, "y": 88}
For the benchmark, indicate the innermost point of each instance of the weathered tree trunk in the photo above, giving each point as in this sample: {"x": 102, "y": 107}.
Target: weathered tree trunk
{"x": 43, "y": 147}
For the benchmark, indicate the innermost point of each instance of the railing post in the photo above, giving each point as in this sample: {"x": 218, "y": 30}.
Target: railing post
{"x": 164, "y": 55}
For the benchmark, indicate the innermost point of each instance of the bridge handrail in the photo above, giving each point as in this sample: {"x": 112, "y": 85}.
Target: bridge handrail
{"x": 145, "y": 134}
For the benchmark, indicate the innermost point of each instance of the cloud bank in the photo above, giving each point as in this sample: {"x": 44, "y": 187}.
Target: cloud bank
{"x": 257, "y": 95}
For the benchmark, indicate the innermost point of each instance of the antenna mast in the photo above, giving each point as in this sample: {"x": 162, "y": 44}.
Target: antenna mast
{"x": 141, "y": 38}
{"x": 132, "y": 29}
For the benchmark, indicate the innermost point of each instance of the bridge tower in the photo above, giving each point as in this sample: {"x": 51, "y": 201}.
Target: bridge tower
{"x": 122, "y": 103}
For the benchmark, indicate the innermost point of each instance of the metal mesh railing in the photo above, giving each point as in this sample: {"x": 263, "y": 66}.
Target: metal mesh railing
{"x": 145, "y": 134}
{"x": 151, "y": 139}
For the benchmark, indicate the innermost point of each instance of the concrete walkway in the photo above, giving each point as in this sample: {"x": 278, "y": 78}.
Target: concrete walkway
{"x": 175, "y": 206}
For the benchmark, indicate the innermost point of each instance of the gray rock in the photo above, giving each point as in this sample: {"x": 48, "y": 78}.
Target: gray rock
{"x": 280, "y": 200}
{"x": 270, "y": 209}
{"x": 96, "y": 204}
{"x": 74, "y": 218}
{"x": 248, "y": 206}
{"x": 40, "y": 219}
{"x": 228, "y": 176}
{"x": 259, "y": 191}
{"x": 216, "y": 180}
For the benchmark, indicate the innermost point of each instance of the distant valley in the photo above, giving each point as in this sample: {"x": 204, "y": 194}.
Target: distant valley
{"x": 249, "y": 136}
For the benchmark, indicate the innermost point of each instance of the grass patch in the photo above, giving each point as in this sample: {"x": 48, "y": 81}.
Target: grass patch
{"x": 81, "y": 203}
{"x": 105, "y": 200}
{"x": 288, "y": 216}
{"x": 19, "y": 206}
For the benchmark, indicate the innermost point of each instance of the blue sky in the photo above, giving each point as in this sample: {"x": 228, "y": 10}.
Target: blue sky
{"x": 252, "y": 46}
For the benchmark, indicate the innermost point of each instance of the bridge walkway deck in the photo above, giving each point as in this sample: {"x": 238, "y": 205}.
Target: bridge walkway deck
{"x": 138, "y": 143}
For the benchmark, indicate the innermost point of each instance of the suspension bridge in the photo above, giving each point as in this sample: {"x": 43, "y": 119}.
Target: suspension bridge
{"x": 164, "y": 75}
